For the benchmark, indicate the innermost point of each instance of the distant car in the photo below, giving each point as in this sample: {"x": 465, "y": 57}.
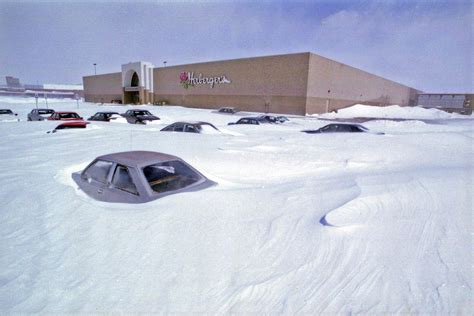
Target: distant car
{"x": 139, "y": 116}
{"x": 227, "y": 110}
{"x": 282, "y": 119}
{"x": 8, "y": 115}
{"x": 40, "y": 114}
{"x": 340, "y": 128}
{"x": 65, "y": 116}
{"x": 251, "y": 121}
{"x": 103, "y": 116}
{"x": 138, "y": 177}
{"x": 191, "y": 127}
{"x": 70, "y": 125}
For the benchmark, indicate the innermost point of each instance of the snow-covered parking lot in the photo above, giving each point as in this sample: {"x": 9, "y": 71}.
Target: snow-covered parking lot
{"x": 298, "y": 223}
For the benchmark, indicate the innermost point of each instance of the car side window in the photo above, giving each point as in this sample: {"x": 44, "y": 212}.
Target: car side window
{"x": 190, "y": 129}
{"x": 99, "y": 171}
{"x": 178, "y": 127}
{"x": 123, "y": 181}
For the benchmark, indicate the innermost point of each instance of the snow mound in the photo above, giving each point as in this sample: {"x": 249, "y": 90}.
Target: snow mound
{"x": 392, "y": 112}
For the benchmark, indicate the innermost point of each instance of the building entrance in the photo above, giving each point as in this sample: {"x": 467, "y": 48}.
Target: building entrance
{"x": 131, "y": 97}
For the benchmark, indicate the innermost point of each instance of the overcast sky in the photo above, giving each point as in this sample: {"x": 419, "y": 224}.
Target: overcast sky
{"x": 425, "y": 44}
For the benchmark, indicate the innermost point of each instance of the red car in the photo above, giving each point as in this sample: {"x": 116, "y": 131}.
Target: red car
{"x": 65, "y": 116}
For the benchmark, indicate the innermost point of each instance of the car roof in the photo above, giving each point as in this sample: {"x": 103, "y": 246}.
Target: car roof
{"x": 43, "y": 109}
{"x": 107, "y": 112}
{"x": 138, "y": 158}
{"x": 65, "y": 112}
{"x": 348, "y": 124}
{"x": 192, "y": 122}
{"x": 250, "y": 118}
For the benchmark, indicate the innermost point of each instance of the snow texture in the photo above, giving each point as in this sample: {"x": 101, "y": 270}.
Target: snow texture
{"x": 298, "y": 223}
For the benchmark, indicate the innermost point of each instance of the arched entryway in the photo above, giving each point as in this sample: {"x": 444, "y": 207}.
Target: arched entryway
{"x": 132, "y": 93}
{"x": 135, "y": 82}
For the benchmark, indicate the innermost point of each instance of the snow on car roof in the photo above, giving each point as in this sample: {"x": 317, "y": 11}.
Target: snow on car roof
{"x": 138, "y": 158}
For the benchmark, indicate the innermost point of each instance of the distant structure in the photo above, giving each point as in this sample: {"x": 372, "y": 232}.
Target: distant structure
{"x": 303, "y": 83}
{"x": 13, "y": 82}
{"x": 15, "y": 88}
{"x": 462, "y": 103}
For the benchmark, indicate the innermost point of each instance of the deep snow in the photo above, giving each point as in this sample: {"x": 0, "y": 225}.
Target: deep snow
{"x": 298, "y": 223}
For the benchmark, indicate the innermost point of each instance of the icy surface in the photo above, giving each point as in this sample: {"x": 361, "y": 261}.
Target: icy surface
{"x": 298, "y": 223}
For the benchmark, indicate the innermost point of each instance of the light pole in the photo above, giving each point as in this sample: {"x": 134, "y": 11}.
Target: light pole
{"x": 165, "y": 63}
{"x": 95, "y": 69}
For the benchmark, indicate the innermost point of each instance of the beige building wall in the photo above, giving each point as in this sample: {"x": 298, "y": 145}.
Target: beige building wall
{"x": 332, "y": 85}
{"x": 292, "y": 84}
{"x": 263, "y": 84}
{"x": 103, "y": 88}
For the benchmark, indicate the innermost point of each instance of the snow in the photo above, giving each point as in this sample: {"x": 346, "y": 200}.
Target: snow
{"x": 298, "y": 223}
{"x": 392, "y": 111}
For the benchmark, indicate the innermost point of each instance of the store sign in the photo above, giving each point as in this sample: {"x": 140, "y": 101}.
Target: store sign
{"x": 187, "y": 79}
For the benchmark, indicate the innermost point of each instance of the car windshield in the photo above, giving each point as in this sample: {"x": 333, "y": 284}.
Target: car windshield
{"x": 68, "y": 115}
{"x": 169, "y": 176}
{"x": 142, "y": 113}
{"x": 6, "y": 112}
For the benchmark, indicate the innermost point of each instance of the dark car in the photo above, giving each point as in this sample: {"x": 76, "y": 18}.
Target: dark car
{"x": 191, "y": 127}
{"x": 40, "y": 114}
{"x": 340, "y": 128}
{"x": 269, "y": 119}
{"x": 282, "y": 119}
{"x": 8, "y": 115}
{"x": 65, "y": 116}
{"x": 227, "y": 110}
{"x": 138, "y": 177}
{"x": 70, "y": 125}
{"x": 139, "y": 116}
{"x": 103, "y": 116}
{"x": 250, "y": 120}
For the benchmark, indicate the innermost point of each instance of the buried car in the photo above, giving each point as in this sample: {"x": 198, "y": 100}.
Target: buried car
{"x": 40, "y": 114}
{"x": 70, "y": 125}
{"x": 138, "y": 177}
{"x": 104, "y": 116}
{"x": 341, "y": 128}
{"x": 65, "y": 116}
{"x": 8, "y": 115}
{"x": 139, "y": 116}
{"x": 250, "y": 120}
{"x": 191, "y": 127}
{"x": 227, "y": 110}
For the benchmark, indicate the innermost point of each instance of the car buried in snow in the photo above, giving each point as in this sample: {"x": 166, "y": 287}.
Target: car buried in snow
{"x": 7, "y": 115}
{"x": 104, "y": 116}
{"x": 250, "y": 121}
{"x": 341, "y": 128}
{"x": 70, "y": 125}
{"x": 138, "y": 177}
{"x": 191, "y": 127}
{"x": 65, "y": 116}
{"x": 227, "y": 110}
{"x": 40, "y": 114}
{"x": 139, "y": 116}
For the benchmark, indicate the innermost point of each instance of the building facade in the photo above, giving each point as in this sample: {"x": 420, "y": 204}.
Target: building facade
{"x": 462, "y": 103}
{"x": 302, "y": 83}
